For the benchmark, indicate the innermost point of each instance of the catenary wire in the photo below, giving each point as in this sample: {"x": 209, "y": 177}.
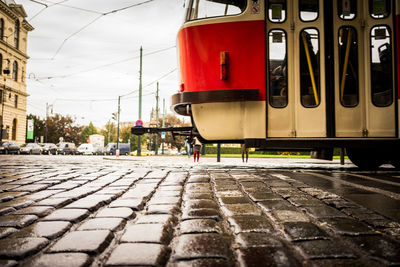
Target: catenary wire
{"x": 93, "y": 21}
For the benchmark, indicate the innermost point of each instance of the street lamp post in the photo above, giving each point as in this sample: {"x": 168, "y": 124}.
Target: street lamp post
{"x": 2, "y": 112}
{"x": 6, "y": 71}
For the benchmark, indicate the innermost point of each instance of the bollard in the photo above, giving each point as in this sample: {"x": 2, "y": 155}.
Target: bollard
{"x": 117, "y": 153}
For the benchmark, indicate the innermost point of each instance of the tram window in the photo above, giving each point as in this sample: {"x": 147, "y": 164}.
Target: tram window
{"x": 379, "y": 9}
{"x": 277, "y": 10}
{"x": 348, "y": 67}
{"x": 309, "y": 68}
{"x": 347, "y": 9}
{"x": 202, "y": 9}
{"x": 278, "y": 79}
{"x": 381, "y": 66}
{"x": 308, "y": 10}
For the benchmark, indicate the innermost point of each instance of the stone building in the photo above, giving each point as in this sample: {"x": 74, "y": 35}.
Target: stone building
{"x": 13, "y": 58}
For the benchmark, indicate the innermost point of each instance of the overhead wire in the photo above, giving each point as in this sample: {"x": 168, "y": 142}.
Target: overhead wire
{"x": 37, "y": 14}
{"x": 74, "y": 7}
{"x": 105, "y": 65}
{"x": 93, "y": 21}
{"x": 113, "y": 99}
{"x": 147, "y": 85}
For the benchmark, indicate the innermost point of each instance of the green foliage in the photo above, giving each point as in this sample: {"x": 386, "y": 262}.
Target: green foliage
{"x": 224, "y": 150}
{"x": 87, "y": 131}
{"x": 170, "y": 121}
{"x": 127, "y": 137}
{"x": 57, "y": 126}
{"x": 109, "y": 133}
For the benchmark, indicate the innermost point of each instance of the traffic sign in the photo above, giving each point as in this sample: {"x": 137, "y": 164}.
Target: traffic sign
{"x": 163, "y": 135}
{"x": 139, "y": 123}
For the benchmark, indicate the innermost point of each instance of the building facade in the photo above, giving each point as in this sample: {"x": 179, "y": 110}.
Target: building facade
{"x": 13, "y": 58}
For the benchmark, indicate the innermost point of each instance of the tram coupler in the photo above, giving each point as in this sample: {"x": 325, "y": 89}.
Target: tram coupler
{"x": 184, "y": 131}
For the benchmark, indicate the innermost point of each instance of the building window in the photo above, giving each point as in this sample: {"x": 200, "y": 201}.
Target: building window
{"x": 1, "y": 96}
{"x": 16, "y": 34}
{"x": 16, "y": 101}
{"x": 1, "y": 28}
{"x": 14, "y": 130}
{"x": 1, "y": 64}
{"x": 15, "y": 71}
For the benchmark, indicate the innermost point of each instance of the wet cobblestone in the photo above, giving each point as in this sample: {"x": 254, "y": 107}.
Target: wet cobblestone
{"x": 116, "y": 213}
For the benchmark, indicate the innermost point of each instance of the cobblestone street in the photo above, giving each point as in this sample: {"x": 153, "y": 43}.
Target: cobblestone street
{"x": 157, "y": 211}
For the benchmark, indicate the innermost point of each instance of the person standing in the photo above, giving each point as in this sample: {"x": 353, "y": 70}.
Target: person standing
{"x": 188, "y": 145}
{"x": 196, "y": 149}
{"x": 245, "y": 150}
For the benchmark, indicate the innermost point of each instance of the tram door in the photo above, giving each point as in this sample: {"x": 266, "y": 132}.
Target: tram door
{"x": 358, "y": 79}
{"x": 296, "y": 82}
{"x": 364, "y": 81}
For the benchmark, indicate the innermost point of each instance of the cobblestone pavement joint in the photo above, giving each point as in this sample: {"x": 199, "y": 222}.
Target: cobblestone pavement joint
{"x": 106, "y": 215}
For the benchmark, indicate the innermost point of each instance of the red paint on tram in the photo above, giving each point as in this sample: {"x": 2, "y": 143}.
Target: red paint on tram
{"x": 199, "y": 56}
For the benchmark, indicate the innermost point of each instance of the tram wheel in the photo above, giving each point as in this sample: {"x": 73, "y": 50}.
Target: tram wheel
{"x": 368, "y": 159}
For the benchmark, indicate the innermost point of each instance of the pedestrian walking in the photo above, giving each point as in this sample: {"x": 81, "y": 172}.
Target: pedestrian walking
{"x": 245, "y": 150}
{"x": 188, "y": 145}
{"x": 196, "y": 149}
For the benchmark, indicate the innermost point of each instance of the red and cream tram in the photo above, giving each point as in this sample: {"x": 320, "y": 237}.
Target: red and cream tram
{"x": 294, "y": 74}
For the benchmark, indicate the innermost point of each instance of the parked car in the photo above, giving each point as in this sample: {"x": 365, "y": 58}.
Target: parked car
{"x": 49, "y": 148}
{"x": 10, "y": 147}
{"x": 66, "y": 148}
{"x": 31, "y": 148}
{"x": 124, "y": 149}
{"x": 85, "y": 149}
{"x": 99, "y": 150}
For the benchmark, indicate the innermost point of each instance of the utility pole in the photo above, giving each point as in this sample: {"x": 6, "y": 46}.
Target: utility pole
{"x": 157, "y": 119}
{"x": 47, "y": 115}
{"x": 2, "y": 111}
{"x": 47, "y": 121}
{"x": 163, "y": 125}
{"x": 119, "y": 101}
{"x": 139, "y": 151}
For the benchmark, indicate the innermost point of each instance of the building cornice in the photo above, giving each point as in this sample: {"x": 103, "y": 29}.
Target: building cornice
{"x": 15, "y": 12}
{"x": 10, "y": 47}
{"x": 27, "y": 26}
{"x": 13, "y": 90}
{"x": 7, "y": 10}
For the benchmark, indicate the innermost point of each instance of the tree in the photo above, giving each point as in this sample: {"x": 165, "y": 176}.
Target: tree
{"x": 60, "y": 126}
{"x": 172, "y": 120}
{"x": 57, "y": 126}
{"x": 87, "y": 131}
{"x": 127, "y": 137}
{"x": 109, "y": 133}
{"x": 38, "y": 127}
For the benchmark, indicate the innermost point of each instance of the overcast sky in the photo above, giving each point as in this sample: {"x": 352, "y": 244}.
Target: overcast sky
{"x": 81, "y": 61}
